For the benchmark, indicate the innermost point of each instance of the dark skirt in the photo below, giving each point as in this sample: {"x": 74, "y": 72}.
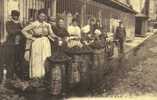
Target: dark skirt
{"x": 14, "y": 55}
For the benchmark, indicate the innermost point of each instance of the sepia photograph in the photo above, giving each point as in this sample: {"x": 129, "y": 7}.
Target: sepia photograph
{"x": 78, "y": 49}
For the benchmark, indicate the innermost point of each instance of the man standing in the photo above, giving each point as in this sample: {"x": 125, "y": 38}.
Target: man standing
{"x": 120, "y": 36}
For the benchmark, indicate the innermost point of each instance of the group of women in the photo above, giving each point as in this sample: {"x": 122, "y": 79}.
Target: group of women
{"x": 41, "y": 32}
{"x": 47, "y": 35}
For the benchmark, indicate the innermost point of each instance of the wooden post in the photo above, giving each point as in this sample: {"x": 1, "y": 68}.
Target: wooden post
{"x": 5, "y": 19}
{"x": 83, "y": 13}
{"x": 21, "y": 10}
{"x": 2, "y": 20}
{"x": 100, "y": 15}
{"x": 53, "y": 8}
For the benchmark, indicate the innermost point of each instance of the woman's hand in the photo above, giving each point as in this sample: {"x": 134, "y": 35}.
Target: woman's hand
{"x": 60, "y": 42}
{"x": 32, "y": 38}
{"x": 59, "y": 39}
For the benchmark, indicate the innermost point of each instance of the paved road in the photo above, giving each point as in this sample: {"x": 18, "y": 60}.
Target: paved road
{"x": 136, "y": 76}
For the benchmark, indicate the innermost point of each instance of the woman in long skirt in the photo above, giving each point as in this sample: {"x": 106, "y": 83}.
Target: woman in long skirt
{"x": 15, "y": 46}
{"x": 38, "y": 32}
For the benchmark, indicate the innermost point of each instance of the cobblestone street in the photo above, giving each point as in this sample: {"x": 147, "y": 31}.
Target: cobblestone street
{"x": 137, "y": 76}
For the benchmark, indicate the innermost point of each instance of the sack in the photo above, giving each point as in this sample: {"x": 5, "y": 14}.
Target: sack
{"x": 115, "y": 52}
{"x": 75, "y": 73}
{"x": 56, "y": 73}
{"x": 110, "y": 49}
{"x": 56, "y": 82}
{"x": 73, "y": 43}
{"x": 56, "y": 87}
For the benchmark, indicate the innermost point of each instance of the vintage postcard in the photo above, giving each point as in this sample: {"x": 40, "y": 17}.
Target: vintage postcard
{"x": 78, "y": 49}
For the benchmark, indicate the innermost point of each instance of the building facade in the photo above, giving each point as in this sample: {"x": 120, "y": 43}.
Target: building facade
{"x": 109, "y": 12}
{"x": 141, "y": 7}
{"x": 153, "y": 10}
{"x": 153, "y": 14}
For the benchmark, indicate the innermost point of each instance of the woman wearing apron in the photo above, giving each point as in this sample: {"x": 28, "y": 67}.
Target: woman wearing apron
{"x": 40, "y": 48}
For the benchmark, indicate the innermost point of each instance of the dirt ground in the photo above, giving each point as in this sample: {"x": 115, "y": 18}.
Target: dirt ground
{"x": 132, "y": 75}
{"x": 137, "y": 76}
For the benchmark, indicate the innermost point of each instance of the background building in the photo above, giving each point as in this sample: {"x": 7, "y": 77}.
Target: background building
{"x": 153, "y": 10}
{"x": 141, "y": 7}
{"x": 153, "y": 14}
{"x": 108, "y": 11}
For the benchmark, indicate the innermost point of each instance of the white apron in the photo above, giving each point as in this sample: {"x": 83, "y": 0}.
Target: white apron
{"x": 40, "y": 50}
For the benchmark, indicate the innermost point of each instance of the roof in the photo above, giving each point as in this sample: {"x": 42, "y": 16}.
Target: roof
{"x": 140, "y": 15}
{"x": 118, "y": 5}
